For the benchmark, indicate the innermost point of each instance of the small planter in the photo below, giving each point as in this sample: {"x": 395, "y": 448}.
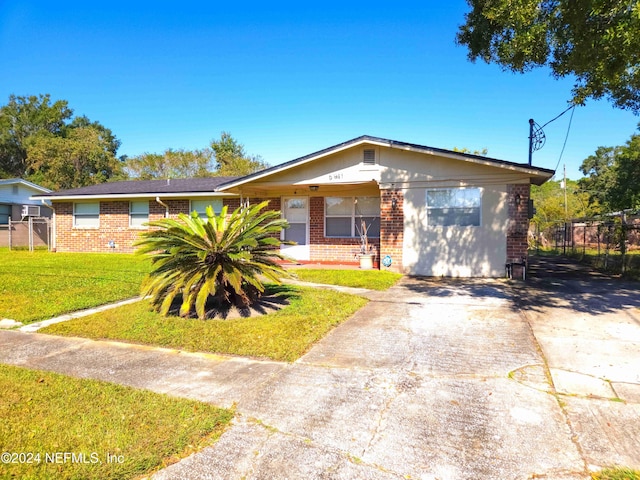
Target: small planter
{"x": 366, "y": 261}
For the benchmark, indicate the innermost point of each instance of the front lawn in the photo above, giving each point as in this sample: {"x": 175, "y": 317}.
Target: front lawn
{"x": 40, "y": 285}
{"x": 372, "y": 279}
{"x": 282, "y": 335}
{"x": 55, "y": 426}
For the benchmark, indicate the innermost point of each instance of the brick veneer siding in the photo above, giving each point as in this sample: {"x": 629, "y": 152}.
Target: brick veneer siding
{"x": 331, "y": 249}
{"x": 392, "y": 228}
{"x": 517, "y": 246}
{"x": 114, "y": 225}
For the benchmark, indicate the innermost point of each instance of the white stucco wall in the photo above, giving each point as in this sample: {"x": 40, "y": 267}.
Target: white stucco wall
{"x": 477, "y": 251}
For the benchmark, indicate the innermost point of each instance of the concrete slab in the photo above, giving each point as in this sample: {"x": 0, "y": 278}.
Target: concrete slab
{"x": 572, "y": 383}
{"x": 629, "y": 392}
{"x": 212, "y": 378}
{"x": 465, "y": 428}
{"x": 607, "y": 431}
{"x": 251, "y": 451}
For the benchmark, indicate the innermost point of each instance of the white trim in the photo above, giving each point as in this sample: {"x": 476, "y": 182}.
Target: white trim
{"x": 85, "y": 227}
{"x": 121, "y": 196}
{"x": 298, "y": 252}
{"x": 138, "y": 214}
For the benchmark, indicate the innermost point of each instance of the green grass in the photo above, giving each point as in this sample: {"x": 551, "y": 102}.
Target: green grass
{"x": 45, "y": 413}
{"x": 39, "y": 285}
{"x": 282, "y": 335}
{"x": 617, "y": 473}
{"x": 372, "y": 279}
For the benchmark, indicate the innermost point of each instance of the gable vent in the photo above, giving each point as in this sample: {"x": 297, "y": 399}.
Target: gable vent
{"x": 369, "y": 157}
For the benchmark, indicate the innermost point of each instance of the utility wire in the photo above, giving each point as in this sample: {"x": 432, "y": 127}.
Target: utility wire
{"x": 567, "y": 135}
{"x": 555, "y": 118}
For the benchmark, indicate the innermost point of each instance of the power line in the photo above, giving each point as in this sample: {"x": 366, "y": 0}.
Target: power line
{"x": 572, "y": 108}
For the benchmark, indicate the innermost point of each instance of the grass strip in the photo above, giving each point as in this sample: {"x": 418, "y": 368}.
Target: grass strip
{"x": 617, "y": 473}
{"x": 371, "y": 279}
{"x": 39, "y": 285}
{"x": 283, "y": 335}
{"x": 112, "y": 431}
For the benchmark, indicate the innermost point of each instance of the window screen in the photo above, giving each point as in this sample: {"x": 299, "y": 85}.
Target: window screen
{"x": 138, "y": 213}
{"x": 454, "y": 207}
{"x": 86, "y": 215}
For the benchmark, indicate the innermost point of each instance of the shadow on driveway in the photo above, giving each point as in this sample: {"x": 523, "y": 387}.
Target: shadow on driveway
{"x": 558, "y": 282}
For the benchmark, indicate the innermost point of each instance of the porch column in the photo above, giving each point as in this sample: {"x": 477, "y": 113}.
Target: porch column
{"x": 391, "y": 228}
{"x": 518, "y": 198}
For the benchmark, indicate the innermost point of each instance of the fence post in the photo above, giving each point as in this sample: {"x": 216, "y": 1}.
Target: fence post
{"x": 10, "y": 235}
{"x": 31, "y": 234}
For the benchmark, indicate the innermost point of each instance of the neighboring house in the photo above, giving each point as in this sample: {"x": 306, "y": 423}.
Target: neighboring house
{"x": 15, "y": 196}
{"x": 432, "y": 211}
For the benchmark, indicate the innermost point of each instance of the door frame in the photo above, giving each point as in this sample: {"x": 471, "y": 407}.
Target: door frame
{"x": 297, "y": 252}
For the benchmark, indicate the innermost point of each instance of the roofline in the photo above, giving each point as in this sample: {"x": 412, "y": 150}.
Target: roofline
{"x": 11, "y": 181}
{"x": 124, "y": 196}
{"x": 383, "y": 142}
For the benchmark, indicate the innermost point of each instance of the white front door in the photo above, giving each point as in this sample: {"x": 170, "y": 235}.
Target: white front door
{"x": 296, "y": 212}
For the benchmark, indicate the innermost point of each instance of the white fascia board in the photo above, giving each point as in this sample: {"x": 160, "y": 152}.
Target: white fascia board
{"x": 126, "y": 196}
{"x": 302, "y": 162}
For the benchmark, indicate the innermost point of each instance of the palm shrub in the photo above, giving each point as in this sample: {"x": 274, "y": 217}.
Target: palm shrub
{"x": 216, "y": 259}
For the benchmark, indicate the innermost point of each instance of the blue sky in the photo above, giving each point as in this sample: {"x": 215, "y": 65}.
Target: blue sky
{"x": 289, "y": 78}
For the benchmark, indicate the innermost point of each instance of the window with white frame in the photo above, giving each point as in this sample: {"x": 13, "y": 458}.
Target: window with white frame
{"x": 86, "y": 215}
{"x": 201, "y": 205}
{"x": 344, "y": 216}
{"x": 138, "y": 213}
{"x": 454, "y": 207}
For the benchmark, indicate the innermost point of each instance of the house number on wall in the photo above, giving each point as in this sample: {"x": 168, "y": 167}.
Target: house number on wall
{"x": 335, "y": 177}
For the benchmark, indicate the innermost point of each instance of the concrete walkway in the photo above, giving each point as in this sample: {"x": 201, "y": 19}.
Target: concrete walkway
{"x": 432, "y": 379}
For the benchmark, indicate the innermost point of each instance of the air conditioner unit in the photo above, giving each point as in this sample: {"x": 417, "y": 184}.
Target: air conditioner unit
{"x": 31, "y": 210}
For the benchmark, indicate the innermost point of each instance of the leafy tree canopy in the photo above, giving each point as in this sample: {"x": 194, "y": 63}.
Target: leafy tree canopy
{"x": 231, "y": 158}
{"x": 41, "y": 142}
{"x": 548, "y": 200}
{"x": 171, "y": 164}
{"x": 612, "y": 178}
{"x": 595, "y": 41}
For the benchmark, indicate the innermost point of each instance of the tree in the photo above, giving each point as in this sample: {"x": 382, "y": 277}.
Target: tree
{"x": 22, "y": 118}
{"x": 220, "y": 257}
{"x": 613, "y": 176}
{"x": 82, "y": 157}
{"x": 484, "y": 152}
{"x": 231, "y": 158}
{"x": 600, "y": 176}
{"x": 595, "y": 41}
{"x": 171, "y": 164}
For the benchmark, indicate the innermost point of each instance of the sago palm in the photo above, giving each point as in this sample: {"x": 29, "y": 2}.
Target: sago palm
{"x": 220, "y": 256}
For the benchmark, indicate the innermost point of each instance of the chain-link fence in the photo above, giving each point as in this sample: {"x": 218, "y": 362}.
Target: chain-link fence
{"x": 33, "y": 233}
{"x": 610, "y": 242}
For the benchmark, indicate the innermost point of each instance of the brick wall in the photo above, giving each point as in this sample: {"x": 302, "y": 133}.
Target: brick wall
{"x": 326, "y": 248}
{"x": 392, "y": 227}
{"x": 114, "y": 224}
{"x": 517, "y": 246}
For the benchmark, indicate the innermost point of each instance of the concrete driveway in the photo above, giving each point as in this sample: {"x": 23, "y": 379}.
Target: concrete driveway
{"x": 432, "y": 379}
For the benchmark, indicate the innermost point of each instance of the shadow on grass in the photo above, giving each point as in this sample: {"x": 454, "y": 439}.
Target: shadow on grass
{"x": 274, "y": 298}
